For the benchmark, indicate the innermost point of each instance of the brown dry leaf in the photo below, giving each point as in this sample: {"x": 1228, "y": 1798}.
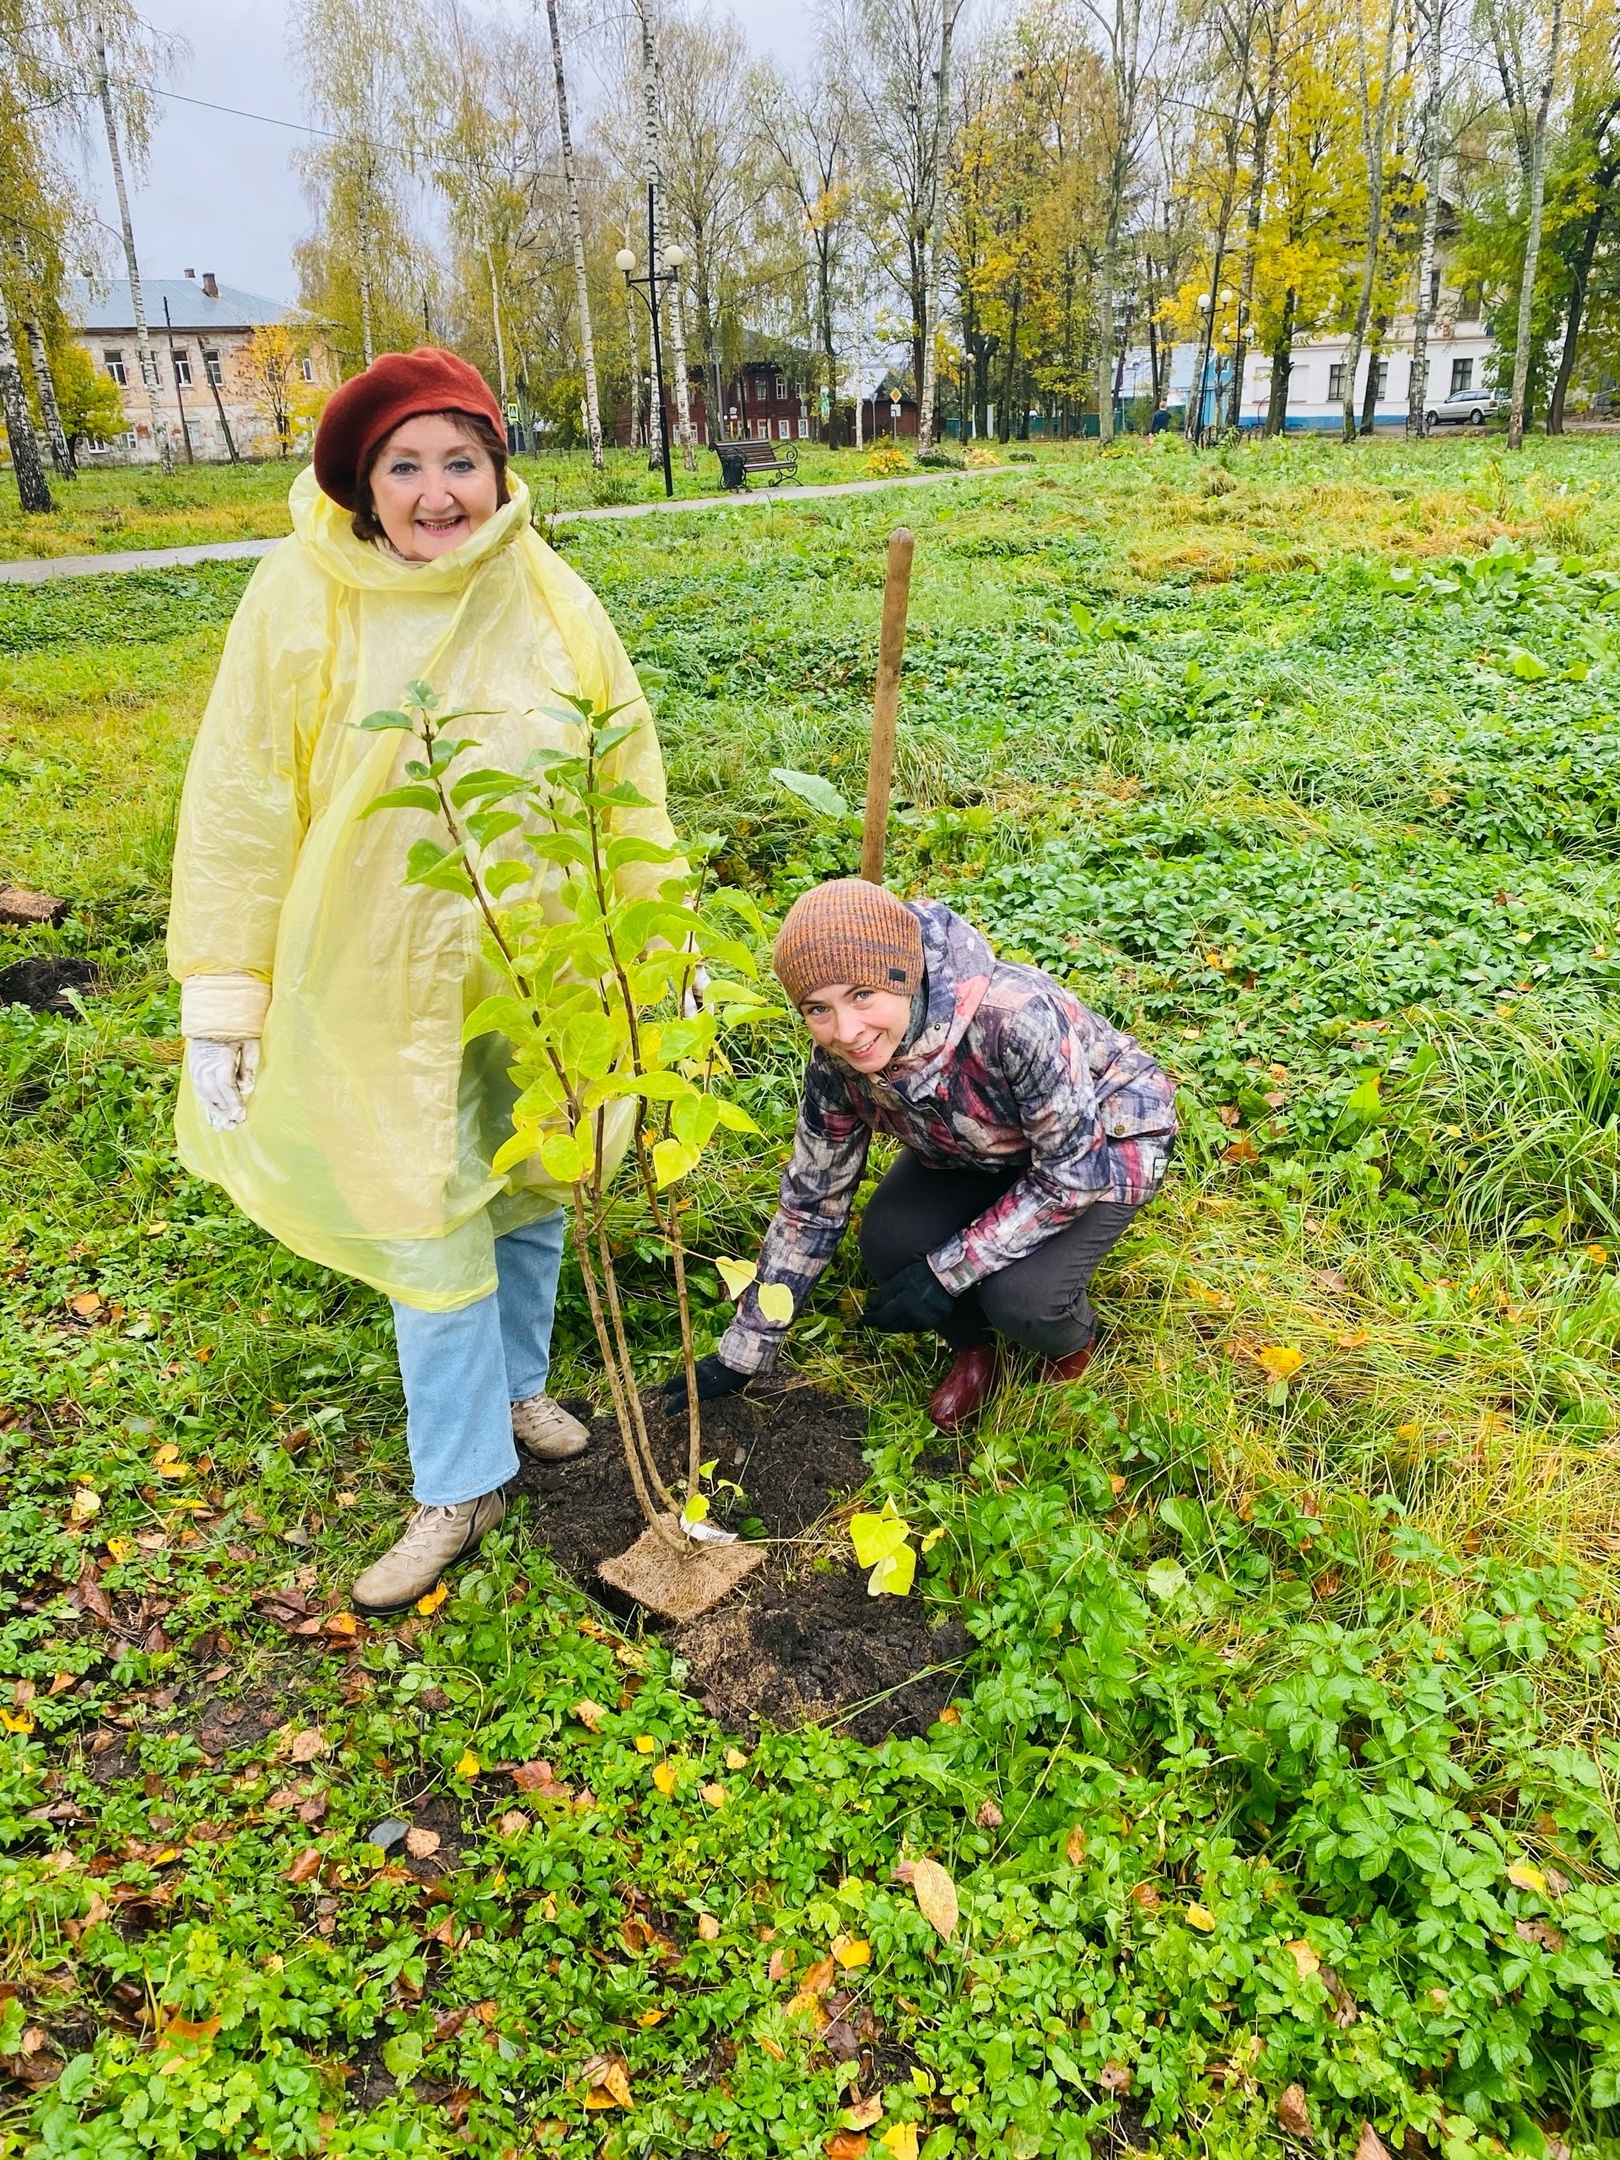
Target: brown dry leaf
{"x": 421, "y": 1844}
{"x": 1074, "y": 1847}
{"x": 782, "y": 1963}
{"x": 610, "y": 2082}
{"x": 708, "y": 1927}
{"x": 862, "y": 2114}
{"x": 1540, "y": 1932}
{"x": 86, "y": 1303}
{"x": 848, "y": 2145}
{"x": 815, "y": 1984}
{"x": 714, "y": 1796}
{"x": 1370, "y": 2146}
{"x": 449, "y": 2022}
{"x": 1345, "y": 2011}
{"x": 1144, "y": 1894}
{"x": 769, "y": 2045}
{"x": 513, "y": 1823}
{"x": 307, "y": 1864}
{"x": 1293, "y": 2115}
{"x": 191, "y": 2028}
{"x": 538, "y": 1776}
{"x": 306, "y": 1745}
{"x": 590, "y": 1714}
{"x": 936, "y": 1896}
{"x": 989, "y": 1816}
{"x": 1115, "y": 2077}
{"x": 342, "y": 1626}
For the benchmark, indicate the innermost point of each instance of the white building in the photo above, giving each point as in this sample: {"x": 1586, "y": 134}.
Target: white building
{"x": 1459, "y": 349}
{"x": 203, "y": 386}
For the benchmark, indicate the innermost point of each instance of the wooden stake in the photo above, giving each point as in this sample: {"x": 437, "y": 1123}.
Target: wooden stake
{"x": 886, "y": 703}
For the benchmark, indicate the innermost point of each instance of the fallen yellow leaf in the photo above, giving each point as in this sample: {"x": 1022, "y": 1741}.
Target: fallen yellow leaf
{"x": 1200, "y": 1917}
{"x": 901, "y": 2141}
{"x": 468, "y": 1765}
{"x": 121, "y": 1550}
{"x": 736, "y": 1759}
{"x": 864, "y": 2113}
{"x": 86, "y": 1506}
{"x": 1281, "y": 1362}
{"x": 645, "y": 1744}
{"x": 664, "y": 1777}
{"x": 708, "y": 1927}
{"x": 852, "y": 1950}
{"x": 590, "y": 1714}
{"x": 428, "y": 1605}
{"x": 1527, "y": 1877}
{"x": 714, "y": 1796}
{"x": 18, "y": 1721}
{"x": 1305, "y": 1958}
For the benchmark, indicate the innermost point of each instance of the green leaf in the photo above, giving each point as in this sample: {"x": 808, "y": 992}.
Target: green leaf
{"x": 1163, "y": 1579}
{"x": 404, "y": 798}
{"x": 488, "y": 826}
{"x": 375, "y": 722}
{"x": 631, "y": 848}
{"x": 566, "y": 1157}
{"x": 500, "y": 1015}
{"x": 486, "y": 781}
{"x": 1365, "y": 1101}
{"x": 501, "y": 877}
{"x": 402, "y": 2056}
{"x": 1525, "y": 665}
{"x": 672, "y": 1159}
{"x": 810, "y": 788}
{"x": 693, "y": 1120}
{"x": 733, "y": 1116}
{"x": 654, "y": 1087}
{"x": 525, "y": 1141}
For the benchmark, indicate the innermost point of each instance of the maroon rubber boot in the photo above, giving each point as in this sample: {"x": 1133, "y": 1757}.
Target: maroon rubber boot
{"x": 1063, "y": 1369}
{"x": 973, "y": 1378}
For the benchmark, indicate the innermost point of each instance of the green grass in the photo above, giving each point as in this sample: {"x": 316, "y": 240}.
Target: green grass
{"x": 1325, "y": 1662}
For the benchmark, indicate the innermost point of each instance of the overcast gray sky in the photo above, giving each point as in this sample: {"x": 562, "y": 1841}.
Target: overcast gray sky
{"x": 220, "y": 193}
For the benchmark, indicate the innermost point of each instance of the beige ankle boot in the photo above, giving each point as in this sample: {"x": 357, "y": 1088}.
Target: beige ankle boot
{"x": 435, "y": 1538}
{"x": 545, "y": 1430}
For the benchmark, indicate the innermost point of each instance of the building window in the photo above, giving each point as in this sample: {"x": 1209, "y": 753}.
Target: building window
{"x": 784, "y": 430}
{"x": 215, "y": 373}
{"x": 762, "y": 430}
{"x": 1434, "y": 289}
{"x": 1336, "y": 382}
{"x": 1381, "y": 389}
{"x": 1462, "y": 377}
{"x": 781, "y": 386}
{"x": 182, "y": 371}
{"x": 116, "y": 368}
{"x": 307, "y": 368}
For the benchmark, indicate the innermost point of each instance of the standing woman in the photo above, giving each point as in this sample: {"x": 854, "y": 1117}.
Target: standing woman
{"x": 326, "y": 1085}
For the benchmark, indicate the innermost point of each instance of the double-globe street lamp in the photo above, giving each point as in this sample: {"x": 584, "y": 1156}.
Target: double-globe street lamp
{"x": 652, "y": 277}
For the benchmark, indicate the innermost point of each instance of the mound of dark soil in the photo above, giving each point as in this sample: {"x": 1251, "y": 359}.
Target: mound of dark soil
{"x": 42, "y": 982}
{"x": 801, "y": 1641}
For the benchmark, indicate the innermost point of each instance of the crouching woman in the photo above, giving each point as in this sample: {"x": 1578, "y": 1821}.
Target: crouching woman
{"x": 1031, "y": 1132}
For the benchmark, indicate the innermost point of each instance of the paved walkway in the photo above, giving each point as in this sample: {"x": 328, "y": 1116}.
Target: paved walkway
{"x": 38, "y": 569}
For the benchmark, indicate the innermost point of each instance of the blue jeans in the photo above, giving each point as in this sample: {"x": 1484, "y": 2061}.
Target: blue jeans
{"x": 464, "y": 1370}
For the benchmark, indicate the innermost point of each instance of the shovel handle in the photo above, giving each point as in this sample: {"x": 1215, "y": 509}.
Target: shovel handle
{"x": 886, "y": 703}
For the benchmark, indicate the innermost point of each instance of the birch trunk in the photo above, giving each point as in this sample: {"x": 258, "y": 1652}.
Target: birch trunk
{"x": 936, "y": 229}
{"x": 33, "y": 489}
{"x": 1532, "y": 239}
{"x": 1373, "y": 126}
{"x": 1417, "y": 393}
{"x": 143, "y": 343}
{"x": 50, "y": 411}
{"x": 582, "y": 290}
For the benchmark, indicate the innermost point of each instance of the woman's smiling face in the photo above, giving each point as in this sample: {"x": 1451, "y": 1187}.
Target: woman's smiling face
{"x": 432, "y": 486}
{"x": 861, "y": 1026}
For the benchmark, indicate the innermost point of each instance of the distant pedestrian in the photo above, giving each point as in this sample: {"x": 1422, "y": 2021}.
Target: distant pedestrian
{"x": 1160, "y": 421}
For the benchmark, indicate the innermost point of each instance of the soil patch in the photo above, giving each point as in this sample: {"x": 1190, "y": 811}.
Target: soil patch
{"x": 801, "y": 1641}
{"x": 43, "y": 981}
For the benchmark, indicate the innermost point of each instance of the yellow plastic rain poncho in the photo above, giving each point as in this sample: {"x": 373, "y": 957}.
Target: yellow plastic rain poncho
{"x": 370, "y": 1133}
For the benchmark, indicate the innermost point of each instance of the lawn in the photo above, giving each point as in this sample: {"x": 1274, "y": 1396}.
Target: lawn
{"x": 1278, "y": 1784}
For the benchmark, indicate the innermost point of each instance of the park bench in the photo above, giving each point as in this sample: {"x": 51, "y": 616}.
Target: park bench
{"x": 739, "y": 459}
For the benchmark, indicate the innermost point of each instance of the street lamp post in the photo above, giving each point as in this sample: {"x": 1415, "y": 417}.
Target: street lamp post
{"x": 649, "y": 281}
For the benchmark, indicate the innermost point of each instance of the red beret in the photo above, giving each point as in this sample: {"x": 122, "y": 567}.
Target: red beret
{"x": 394, "y": 388}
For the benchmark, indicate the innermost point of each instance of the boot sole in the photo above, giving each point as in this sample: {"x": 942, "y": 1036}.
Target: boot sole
{"x": 544, "y": 1454}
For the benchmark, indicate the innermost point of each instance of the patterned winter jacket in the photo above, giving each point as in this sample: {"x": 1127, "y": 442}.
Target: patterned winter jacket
{"x": 1008, "y": 1071}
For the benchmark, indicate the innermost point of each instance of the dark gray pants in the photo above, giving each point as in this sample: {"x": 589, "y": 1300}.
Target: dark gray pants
{"x": 1040, "y": 1301}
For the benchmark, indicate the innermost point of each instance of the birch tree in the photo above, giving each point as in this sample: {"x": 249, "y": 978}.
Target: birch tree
{"x": 1537, "y": 76}
{"x": 1376, "y": 76}
{"x": 143, "y": 342}
{"x": 576, "y": 231}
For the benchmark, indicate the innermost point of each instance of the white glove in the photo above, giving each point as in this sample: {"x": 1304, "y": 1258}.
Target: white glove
{"x": 222, "y": 1077}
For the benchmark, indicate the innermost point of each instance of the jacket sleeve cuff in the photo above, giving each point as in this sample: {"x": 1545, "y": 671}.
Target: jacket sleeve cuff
{"x": 749, "y": 1350}
{"x": 953, "y": 1267}
{"x": 224, "y": 1008}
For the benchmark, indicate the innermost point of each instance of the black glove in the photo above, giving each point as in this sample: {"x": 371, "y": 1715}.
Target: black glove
{"x": 714, "y": 1379}
{"x": 911, "y": 1303}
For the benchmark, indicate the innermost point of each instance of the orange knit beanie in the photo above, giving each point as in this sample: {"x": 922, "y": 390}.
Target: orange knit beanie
{"x": 848, "y": 931}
